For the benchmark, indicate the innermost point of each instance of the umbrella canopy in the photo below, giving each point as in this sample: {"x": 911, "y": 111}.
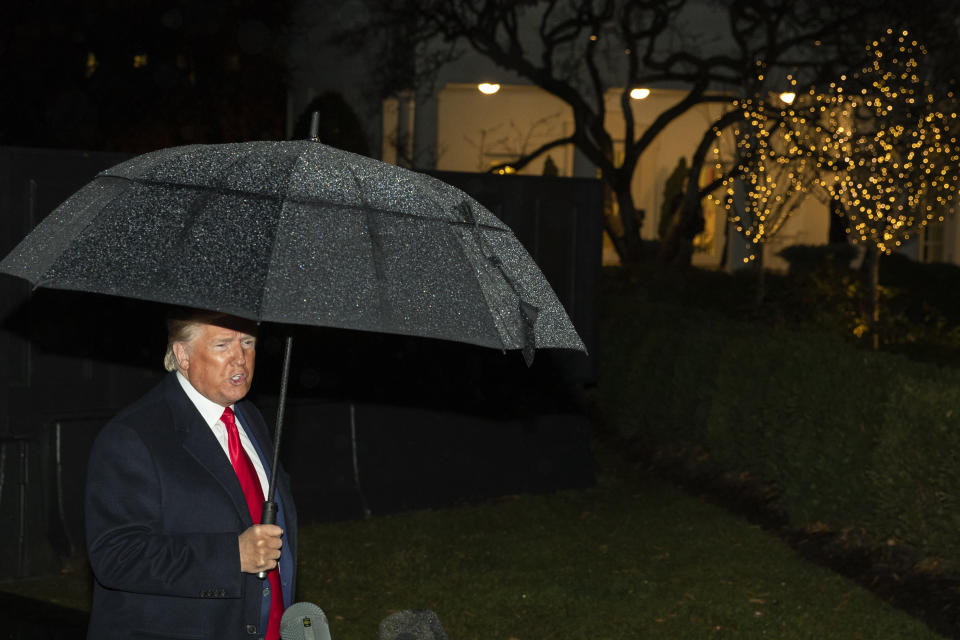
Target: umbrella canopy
{"x": 298, "y": 232}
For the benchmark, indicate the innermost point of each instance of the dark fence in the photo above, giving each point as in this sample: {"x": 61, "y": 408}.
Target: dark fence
{"x": 60, "y": 377}
{"x": 375, "y": 423}
{"x": 560, "y": 222}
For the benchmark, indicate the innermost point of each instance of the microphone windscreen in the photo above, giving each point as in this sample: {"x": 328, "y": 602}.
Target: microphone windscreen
{"x": 415, "y": 624}
{"x": 304, "y": 621}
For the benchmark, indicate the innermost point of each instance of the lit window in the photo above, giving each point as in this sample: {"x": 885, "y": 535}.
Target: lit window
{"x": 92, "y": 64}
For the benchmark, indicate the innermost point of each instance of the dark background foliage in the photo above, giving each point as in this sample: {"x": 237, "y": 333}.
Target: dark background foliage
{"x": 139, "y": 75}
{"x": 787, "y": 397}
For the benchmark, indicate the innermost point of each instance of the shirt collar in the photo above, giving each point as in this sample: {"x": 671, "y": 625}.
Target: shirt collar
{"x": 209, "y": 410}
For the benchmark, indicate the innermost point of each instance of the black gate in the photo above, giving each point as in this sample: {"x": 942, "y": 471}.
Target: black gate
{"x": 560, "y": 222}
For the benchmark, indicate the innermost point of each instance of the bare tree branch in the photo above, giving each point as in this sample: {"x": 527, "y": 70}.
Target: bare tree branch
{"x": 526, "y": 159}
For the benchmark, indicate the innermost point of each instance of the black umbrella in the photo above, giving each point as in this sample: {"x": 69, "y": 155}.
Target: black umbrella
{"x": 298, "y": 232}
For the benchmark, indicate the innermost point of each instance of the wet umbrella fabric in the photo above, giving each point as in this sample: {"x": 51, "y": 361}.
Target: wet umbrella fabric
{"x": 298, "y": 232}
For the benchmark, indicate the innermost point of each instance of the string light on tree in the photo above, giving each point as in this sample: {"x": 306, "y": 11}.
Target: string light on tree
{"x": 886, "y": 148}
{"x": 768, "y": 173}
{"x": 889, "y": 150}
{"x": 772, "y": 174}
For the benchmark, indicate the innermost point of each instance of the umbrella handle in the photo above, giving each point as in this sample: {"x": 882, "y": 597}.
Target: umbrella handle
{"x": 268, "y": 516}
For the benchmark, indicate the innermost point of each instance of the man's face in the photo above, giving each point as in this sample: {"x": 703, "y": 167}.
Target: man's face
{"x": 218, "y": 362}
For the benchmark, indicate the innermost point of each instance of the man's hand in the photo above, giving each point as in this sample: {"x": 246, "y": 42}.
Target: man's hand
{"x": 260, "y": 548}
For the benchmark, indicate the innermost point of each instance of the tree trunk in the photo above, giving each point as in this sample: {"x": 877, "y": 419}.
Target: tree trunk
{"x": 677, "y": 248}
{"x": 761, "y": 292}
{"x": 631, "y": 219}
{"x": 873, "y": 257}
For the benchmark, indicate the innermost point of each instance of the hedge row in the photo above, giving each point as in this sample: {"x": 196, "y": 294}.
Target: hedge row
{"x": 848, "y": 437}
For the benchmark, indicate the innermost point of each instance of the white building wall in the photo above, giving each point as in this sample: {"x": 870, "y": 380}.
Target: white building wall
{"x": 808, "y": 225}
{"x": 476, "y": 131}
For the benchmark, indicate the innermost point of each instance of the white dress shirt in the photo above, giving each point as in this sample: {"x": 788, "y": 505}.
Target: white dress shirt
{"x": 211, "y": 412}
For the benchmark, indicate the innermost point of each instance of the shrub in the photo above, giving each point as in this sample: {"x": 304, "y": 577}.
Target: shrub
{"x": 851, "y": 438}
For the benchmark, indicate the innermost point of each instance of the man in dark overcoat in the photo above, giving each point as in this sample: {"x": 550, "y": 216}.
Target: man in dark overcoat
{"x": 171, "y": 500}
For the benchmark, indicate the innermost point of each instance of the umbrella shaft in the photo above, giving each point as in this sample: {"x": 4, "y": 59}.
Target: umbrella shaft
{"x": 281, "y": 406}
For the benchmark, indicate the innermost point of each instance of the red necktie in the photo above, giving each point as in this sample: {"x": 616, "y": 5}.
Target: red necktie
{"x": 250, "y": 483}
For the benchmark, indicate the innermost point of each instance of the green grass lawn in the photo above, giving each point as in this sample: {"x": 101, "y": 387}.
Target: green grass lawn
{"x": 636, "y": 559}
{"x": 632, "y": 558}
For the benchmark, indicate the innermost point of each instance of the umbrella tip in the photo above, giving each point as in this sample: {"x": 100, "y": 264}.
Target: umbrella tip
{"x": 528, "y": 353}
{"x": 315, "y": 126}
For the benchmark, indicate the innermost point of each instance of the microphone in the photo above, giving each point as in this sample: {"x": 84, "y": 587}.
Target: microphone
{"x": 304, "y": 621}
{"x": 412, "y": 624}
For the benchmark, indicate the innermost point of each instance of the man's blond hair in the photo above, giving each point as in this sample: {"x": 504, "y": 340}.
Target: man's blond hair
{"x": 182, "y": 325}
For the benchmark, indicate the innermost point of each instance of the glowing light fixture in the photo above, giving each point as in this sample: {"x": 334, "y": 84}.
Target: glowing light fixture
{"x": 787, "y": 97}
{"x": 639, "y": 94}
{"x": 92, "y": 64}
{"x": 488, "y": 88}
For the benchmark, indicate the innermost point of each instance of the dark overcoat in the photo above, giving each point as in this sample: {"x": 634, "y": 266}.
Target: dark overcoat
{"x": 163, "y": 513}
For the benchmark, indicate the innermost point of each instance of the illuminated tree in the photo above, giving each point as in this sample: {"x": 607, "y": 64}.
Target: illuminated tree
{"x": 771, "y": 174}
{"x": 887, "y": 149}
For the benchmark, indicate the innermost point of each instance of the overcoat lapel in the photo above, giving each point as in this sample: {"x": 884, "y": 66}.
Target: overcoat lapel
{"x": 199, "y": 442}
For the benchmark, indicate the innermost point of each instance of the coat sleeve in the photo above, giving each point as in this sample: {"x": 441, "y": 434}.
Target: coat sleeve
{"x": 129, "y": 547}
